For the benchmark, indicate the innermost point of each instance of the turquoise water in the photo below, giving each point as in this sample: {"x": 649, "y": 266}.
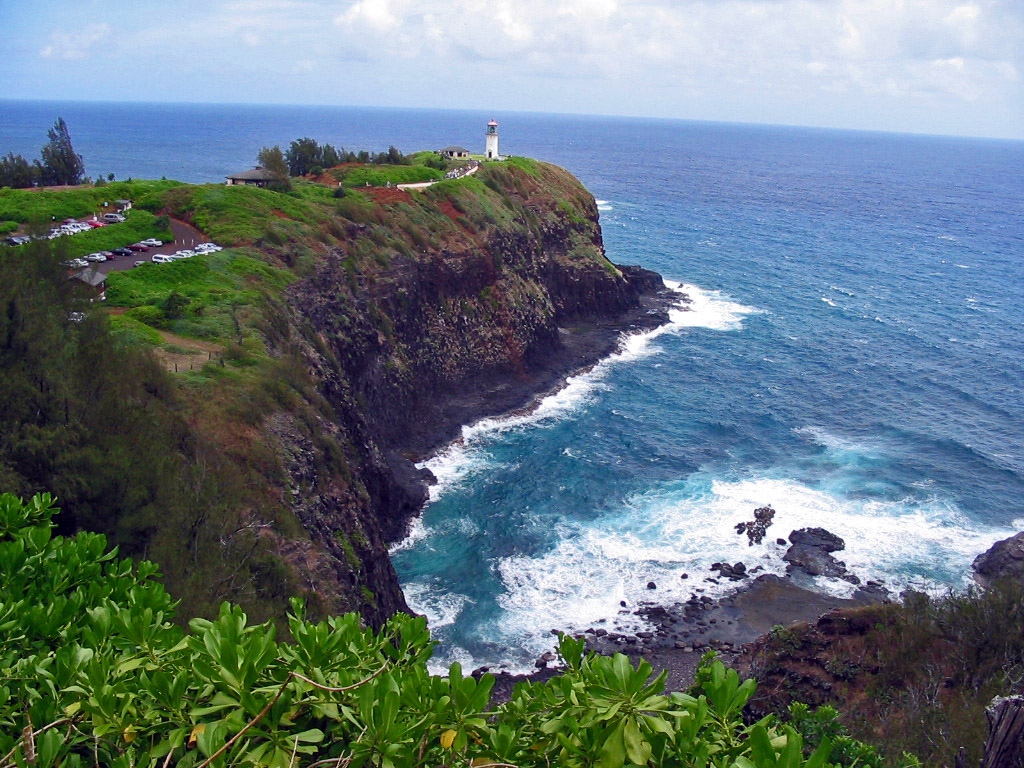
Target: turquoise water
{"x": 853, "y": 356}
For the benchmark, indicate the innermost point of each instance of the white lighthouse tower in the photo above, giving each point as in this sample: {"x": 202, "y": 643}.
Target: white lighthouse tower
{"x": 491, "y": 149}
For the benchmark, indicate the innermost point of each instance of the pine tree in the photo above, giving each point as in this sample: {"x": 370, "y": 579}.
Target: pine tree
{"x": 59, "y": 163}
{"x": 16, "y": 172}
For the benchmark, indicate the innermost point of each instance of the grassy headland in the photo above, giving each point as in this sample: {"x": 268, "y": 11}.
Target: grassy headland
{"x": 260, "y": 466}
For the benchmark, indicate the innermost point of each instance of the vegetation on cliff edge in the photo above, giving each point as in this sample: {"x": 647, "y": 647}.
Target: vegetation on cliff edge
{"x": 915, "y": 675}
{"x": 94, "y": 672}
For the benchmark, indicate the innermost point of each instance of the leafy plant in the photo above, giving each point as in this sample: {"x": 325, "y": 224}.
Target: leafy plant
{"x": 95, "y": 672}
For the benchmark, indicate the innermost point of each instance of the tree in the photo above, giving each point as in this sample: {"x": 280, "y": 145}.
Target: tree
{"x": 394, "y": 157}
{"x": 329, "y": 156}
{"x": 16, "y": 172}
{"x": 272, "y": 158}
{"x": 302, "y": 155}
{"x": 59, "y": 163}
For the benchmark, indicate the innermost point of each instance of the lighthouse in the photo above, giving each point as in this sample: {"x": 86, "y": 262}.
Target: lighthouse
{"x": 491, "y": 149}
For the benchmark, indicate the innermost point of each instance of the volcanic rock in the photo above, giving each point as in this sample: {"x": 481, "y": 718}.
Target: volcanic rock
{"x": 811, "y": 550}
{"x": 1004, "y": 559}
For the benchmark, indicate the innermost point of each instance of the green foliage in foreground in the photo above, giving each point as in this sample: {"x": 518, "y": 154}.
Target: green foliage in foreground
{"x": 94, "y": 672}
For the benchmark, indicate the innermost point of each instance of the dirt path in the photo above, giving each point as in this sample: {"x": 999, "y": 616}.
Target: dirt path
{"x": 186, "y": 354}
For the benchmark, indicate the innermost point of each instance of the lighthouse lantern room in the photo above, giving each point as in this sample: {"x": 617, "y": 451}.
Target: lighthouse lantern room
{"x": 491, "y": 149}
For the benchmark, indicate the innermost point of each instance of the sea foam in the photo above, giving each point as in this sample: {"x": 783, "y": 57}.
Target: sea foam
{"x": 696, "y": 308}
{"x": 684, "y": 527}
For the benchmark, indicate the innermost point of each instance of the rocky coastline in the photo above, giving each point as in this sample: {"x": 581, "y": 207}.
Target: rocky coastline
{"x": 732, "y": 626}
{"x": 679, "y": 633}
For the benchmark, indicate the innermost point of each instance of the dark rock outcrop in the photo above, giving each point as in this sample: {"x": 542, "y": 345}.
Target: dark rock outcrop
{"x": 1004, "y": 559}
{"x": 758, "y": 527}
{"x": 811, "y": 553}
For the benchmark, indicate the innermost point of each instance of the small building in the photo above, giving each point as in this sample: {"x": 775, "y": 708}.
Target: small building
{"x": 257, "y": 177}
{"x": 96, "y": 280}
{"x": 122, "y": 205}
{"x": 491, "y": 147}
{"x": 454, "y": 153}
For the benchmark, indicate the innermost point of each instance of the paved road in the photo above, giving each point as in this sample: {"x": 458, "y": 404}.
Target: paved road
{"x": 185, "y": 236}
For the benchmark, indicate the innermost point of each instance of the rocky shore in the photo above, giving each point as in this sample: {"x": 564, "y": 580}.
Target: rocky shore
{"x": 678, "y": 634}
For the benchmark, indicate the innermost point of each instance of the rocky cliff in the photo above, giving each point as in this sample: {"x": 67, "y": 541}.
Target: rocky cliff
{"x": 424, "y": 311}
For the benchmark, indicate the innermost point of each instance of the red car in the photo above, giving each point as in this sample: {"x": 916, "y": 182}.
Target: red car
{"x": 139, "y": 247}
{"x": 95, "y": 224}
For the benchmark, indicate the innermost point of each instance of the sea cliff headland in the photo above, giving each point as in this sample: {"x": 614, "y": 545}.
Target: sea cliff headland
{"x": 344, "y": 332}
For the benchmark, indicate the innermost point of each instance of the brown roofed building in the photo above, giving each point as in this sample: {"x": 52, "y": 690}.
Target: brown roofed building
{"x": 257, "y": 177}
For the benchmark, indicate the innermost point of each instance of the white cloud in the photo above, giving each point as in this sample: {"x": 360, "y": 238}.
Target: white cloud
{"x": 659, "y": 57}
{"x": 75, "y": 44}
{"x": 376, "y": 14}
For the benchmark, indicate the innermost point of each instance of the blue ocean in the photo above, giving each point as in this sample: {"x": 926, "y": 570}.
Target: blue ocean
{"x": 852, "y": 354}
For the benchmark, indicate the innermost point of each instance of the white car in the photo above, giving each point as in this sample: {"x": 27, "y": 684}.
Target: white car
{"x": 186, "y": 254}
{"x": 152, "y": 242}
{"x": 208, "y": 248}
{"x": 161, "y": 259}
{"x": 95, "y": 257}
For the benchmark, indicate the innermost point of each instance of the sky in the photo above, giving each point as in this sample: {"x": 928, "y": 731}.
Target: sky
{"x": 923, "y": 66}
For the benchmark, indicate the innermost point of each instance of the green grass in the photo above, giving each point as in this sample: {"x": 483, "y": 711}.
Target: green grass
{"x": 421, "y": 157}
{"x": 210, "y": 292}
{"x": 380, "y": 175}
{"x": 241, "y": 215}
{"x": 526, "y": 164}
{"x": 47, "y": 205}
{"x": 129, "y": 329}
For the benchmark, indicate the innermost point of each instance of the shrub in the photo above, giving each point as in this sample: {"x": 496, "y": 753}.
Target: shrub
{"x": 96, "y": 673}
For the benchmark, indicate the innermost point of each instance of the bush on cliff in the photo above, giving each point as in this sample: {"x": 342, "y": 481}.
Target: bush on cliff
{"x": 915, "y": 675}
{"x": 95, "y": 672}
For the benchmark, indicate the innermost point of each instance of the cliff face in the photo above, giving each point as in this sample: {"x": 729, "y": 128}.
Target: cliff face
{"x": 464, "y": 322}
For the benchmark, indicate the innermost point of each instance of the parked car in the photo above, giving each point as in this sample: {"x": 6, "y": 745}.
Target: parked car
{"x": 95, "y": 257}
{"x": 78, "y": 263}
{"x": 152, "y": 242}
{"x": 139, "y": 247}
{"x": 95, "y": 224}
{"x": 122, "y": 251}
{"x": 161, "y": 259}
{"x": 115, "y": 218}
{"x": 17, "y": 240}
{"x": 185, "y": 254}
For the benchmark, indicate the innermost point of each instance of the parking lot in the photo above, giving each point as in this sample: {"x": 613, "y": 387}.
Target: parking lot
{"x": 185, "y": 236}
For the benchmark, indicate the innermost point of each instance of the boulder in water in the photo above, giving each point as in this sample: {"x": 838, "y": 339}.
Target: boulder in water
{"x": 1004, "y": 559}
{"x": 811, "y": 550}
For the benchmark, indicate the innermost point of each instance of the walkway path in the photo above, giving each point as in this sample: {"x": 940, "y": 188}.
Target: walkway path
{"x": 424, "y": 184}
